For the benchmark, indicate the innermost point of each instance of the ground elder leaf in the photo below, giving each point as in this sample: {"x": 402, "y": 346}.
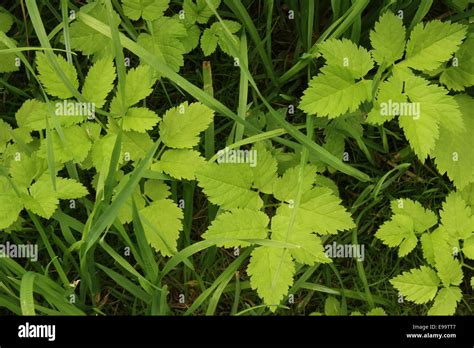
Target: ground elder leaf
{"x": 271, "y": 272}
{"x": 418, "y": 285}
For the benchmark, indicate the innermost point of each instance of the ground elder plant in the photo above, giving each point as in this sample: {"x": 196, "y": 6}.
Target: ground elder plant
{"x": 207, "y": 157}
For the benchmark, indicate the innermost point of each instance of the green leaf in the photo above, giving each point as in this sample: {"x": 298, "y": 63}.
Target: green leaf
{"x": 389, "y": 93}
{"x": 209, "y": 42}
{"x": 265, "y": 171}
{"x": 216, "y": 35}
{"x": 399, "y": 231}
{"x": 388, "y": 39}
{"x": 454, "y": 149}
{"x": 88, "y": 40}
{"x": 434, "y": 107}
{"x": 6, "y": 21}
{"x": 140, "y": 120}
{"x": 271, "y": 272}
{"x": 198, "y": 11}
{"x": 138, "y": 85}
{"x": 285, "y": 187}
{"x": 334, "y": 92}
{"x": 99, "y": 82}
{"x": 468, "y": 248}
{"x": 320, "y": 211}
{"x": 27, "y": 168}
{"x": 7, "y": 60}
{"x": 156, "y": 189}
{"x": 432, "y": 44}
{"x": 69, "y": 189}
{"x": 43, "y": 199}
{"x": 446, "y": 301}
{"x": 456, "y": 217}
{"x": 75, "y": 147}
{"x": 10, "y": 204}
{"x": 332, "y": 306}
{"x": 346, "y": 55}
{"x": 418, "y": 285}
{"x": 238, "y": 224}
{"x": 229, "y": 185}
{"x": 422, "y": 218}
{"x": 32, "y": 115}
{"x": 147, "y": 9}
{"x": 310, "y": 249}
{"x": 461, "y": 72}
{"x": 53, "y": 84}
{"x": 180, "y": 163}
{"x": 193, "y": 33}
{"x": 165, "y": 41}
{"x": 449, "y": 269}
{"x": 182, "y": 125}
{"x": 162, "y": 224}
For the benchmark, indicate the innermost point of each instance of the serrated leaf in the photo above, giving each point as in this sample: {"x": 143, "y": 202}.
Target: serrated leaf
{"x": 418, "y": 285}
{"x": 446, "y": 301}
{"x": 180, "y": 163}
{"x": 99, "y": 82}
{"x": 52, "y": 82}
{"x": 146, "y": 9}
{"x": 69, "y": 189}
{"x": 285, "y": 187}
{"x": 42, "y": 199}
{"x": 199, "y": 11}
{"x": 182, "y": 125}
{"x": 449, "y": 269}
{"x": 461, "y": 72}
{"x": 27, "y": 168}
{"x": 229, "y": 185}
{"x": 389, "y": 93}
{"x": 388, "y": 39}
{"x": 10, "y": 204}
{"x": 333, "y": 93}
{"x": 156, "y": 189}
{"x": 454, "y": 150}
{"x": 434, "y": 107}
{"x": 193, "y": 33}
{"x": 238, "y": 224}
{"x": 271, "y": 272}
{"x": 456, "y": 217}
{"x": 399, "y": 231}
{"x": 140, "y": 120}
{"x": 208, "y": 42}
{"x": 346, "y": 55}
{"x": 162, "y": 224}
{"x": 433, "y": 43}
{"x": 320, "y": 211}
{"x": 265, "y": 171}
{"x": 138, "y": 85}
{"x": 75, "y": 146}
{"x": 86, "y": 39}
{"x": 165, "y": 42}
{"x": 422, "y": 218}
{"x": 310, "y": 249}
{"x": 468, "y": 248}
{"x": 216, "y": 35}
